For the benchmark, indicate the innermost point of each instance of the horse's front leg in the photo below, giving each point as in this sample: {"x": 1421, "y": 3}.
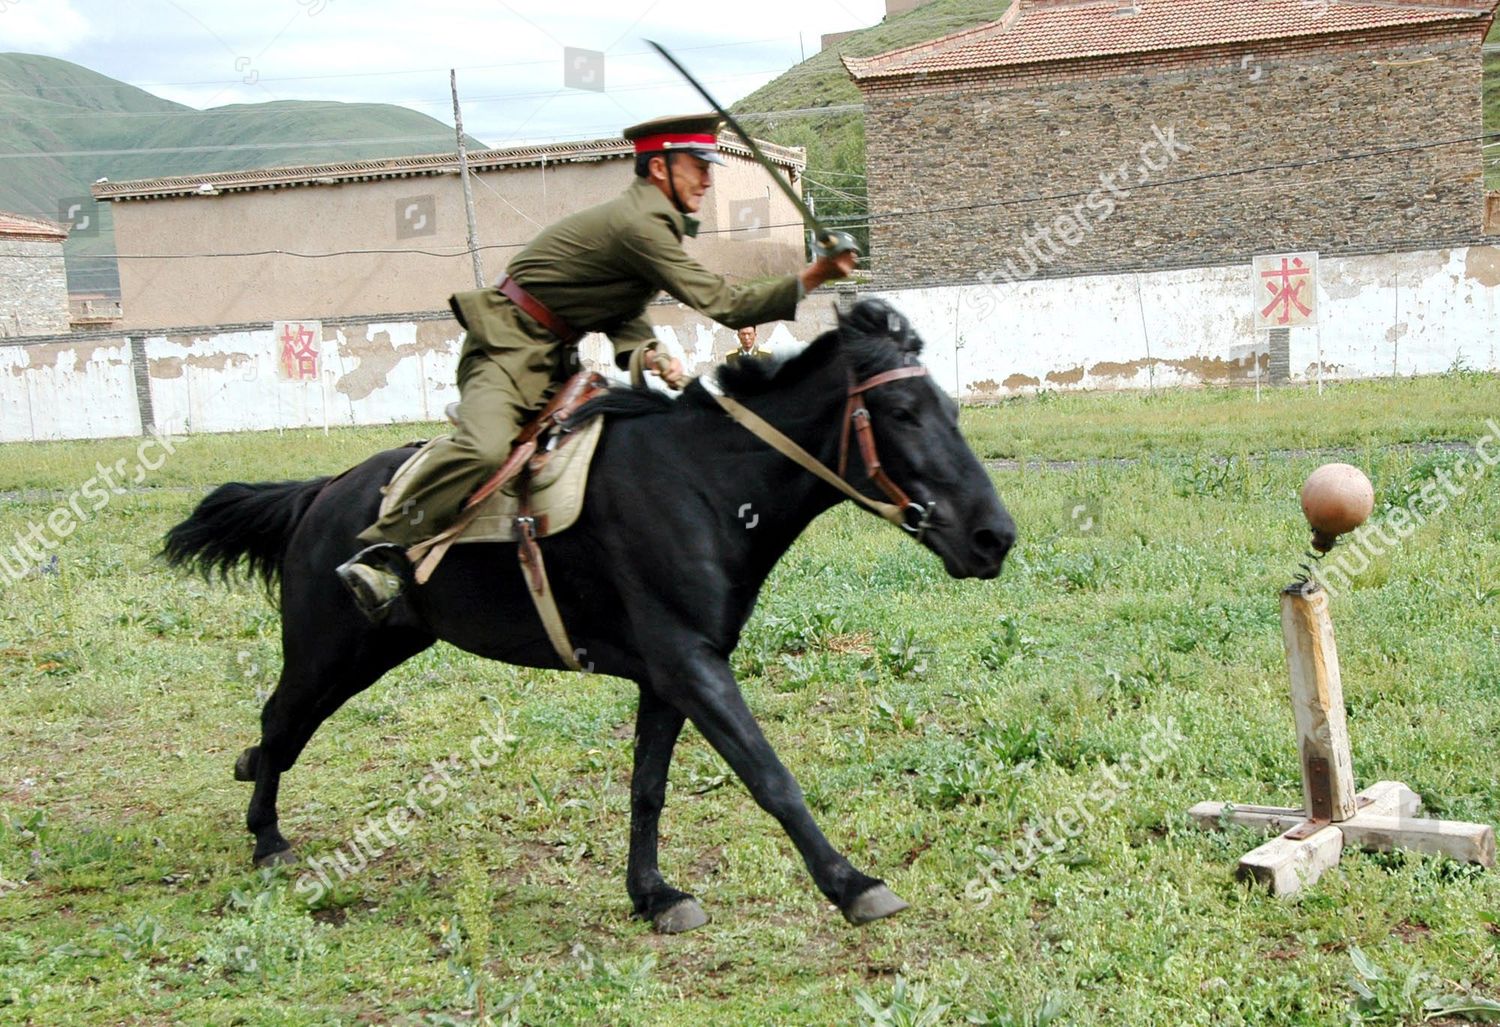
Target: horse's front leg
{"x": 700, "y": 684}
{"x": 656, "y": 729}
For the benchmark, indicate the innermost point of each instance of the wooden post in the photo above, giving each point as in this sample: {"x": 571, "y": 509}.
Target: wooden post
{"x": 463, "y": 175}
{"x": 1381, "y": 818}
{"x": 1318, "y": 704}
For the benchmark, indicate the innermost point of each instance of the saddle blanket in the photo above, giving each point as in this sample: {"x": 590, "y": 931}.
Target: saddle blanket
{"x": 558, "y": 479}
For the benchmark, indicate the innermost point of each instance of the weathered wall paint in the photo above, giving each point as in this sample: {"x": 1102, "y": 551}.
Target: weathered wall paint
{"x": 67, "y": 390}
{"x": 1412, "y": 313}
{"x": 373, "y": 373}
{"x": 1409, "y": 313}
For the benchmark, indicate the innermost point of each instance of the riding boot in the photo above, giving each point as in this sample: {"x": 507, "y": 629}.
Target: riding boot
{"x": 375, "y": 576}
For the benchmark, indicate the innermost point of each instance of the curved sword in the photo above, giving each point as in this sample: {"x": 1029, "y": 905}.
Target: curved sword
{"x": 827, "y": 242}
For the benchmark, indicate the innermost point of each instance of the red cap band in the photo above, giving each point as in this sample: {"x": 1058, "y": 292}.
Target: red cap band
{"x": 671, "y": 140}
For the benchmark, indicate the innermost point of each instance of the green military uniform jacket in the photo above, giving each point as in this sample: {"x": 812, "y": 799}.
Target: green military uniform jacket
{"x": 739, "y": 352}
{"x": 598, "y": 269}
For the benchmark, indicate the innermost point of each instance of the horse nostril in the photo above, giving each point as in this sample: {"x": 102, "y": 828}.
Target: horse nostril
{"x": 993, "y": 544}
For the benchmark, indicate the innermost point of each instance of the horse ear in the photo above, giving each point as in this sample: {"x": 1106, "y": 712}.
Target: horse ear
{"x": 877, "y": 319}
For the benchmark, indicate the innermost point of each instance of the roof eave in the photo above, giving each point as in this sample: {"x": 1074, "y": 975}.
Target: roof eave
{"x": 1462, "y": 16}
{"x": 418, "y": 166}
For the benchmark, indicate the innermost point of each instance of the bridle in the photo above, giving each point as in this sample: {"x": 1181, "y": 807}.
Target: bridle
{"x": 913, "y": 517}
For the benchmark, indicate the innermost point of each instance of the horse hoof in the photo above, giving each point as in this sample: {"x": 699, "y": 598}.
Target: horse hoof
{"x": 244, "y": 767}
{"x": 875, "y": 904}
{"x": 679, "y": 917}
{"x": 280, "y": 858}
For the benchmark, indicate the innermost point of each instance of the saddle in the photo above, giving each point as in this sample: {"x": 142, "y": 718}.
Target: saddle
{"x": 537, "y": 492}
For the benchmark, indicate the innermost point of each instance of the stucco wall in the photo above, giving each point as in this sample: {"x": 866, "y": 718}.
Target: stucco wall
{"x": 1412, "y": 313}
{"x": 510, "y": 206}
{"x": 33, "y": 288}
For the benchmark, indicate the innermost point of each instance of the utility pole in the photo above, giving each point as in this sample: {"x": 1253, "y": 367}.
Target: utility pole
{"x": 463, "y": 174}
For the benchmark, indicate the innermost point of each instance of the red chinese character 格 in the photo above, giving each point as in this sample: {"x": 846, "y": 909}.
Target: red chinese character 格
{"x": 299, "y": 357}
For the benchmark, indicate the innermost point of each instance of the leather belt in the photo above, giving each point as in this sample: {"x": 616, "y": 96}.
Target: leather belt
{"x": 537, "y": 311}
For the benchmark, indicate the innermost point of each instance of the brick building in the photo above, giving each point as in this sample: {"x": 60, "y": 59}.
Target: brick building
{"x": 33, "y": 280}
{"x": 1056, "y": 141}
{"x": 393, "y": 233}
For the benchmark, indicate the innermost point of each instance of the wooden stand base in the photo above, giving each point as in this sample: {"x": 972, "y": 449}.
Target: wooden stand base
{"x": 1386, "y": 820}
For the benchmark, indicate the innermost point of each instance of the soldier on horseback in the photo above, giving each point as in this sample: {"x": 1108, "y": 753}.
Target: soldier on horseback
{"x": 593, "y": 271}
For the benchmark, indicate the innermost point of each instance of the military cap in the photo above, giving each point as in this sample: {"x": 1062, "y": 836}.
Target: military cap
{"x": 697, "y": 134}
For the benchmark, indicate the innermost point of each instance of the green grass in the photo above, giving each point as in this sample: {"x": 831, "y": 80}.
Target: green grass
{"x": 928, "y": 720}
{"x": 1365, "y": 416}
{"x": 1177, "y": 423}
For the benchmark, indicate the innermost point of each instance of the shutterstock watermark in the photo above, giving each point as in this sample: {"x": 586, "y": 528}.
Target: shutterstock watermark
{"x": 42, "y": 536}
{"x": 1053, "y": 833}
{"x": 380, "y": 833}
{"x": 1399, "y": 523}
{"x": 1048, "y": 242}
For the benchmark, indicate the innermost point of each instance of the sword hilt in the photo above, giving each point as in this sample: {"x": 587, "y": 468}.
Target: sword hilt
{"x": 832, "y": 243}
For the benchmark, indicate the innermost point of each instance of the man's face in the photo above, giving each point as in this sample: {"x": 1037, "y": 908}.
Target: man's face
{"x": 747, "y": 338}
{"x": 691, "y": 176}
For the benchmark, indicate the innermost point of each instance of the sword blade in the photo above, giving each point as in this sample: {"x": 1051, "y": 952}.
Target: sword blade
{"x": 808, "y": 217}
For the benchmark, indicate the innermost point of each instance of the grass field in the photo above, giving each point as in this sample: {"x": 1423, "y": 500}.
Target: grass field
{"x": 930, "y": 722}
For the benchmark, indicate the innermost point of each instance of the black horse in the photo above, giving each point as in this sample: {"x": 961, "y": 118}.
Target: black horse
{"x": 654, "y": 582}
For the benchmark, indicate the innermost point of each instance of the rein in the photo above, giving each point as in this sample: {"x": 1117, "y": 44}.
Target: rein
{"x": 912, "y": 517}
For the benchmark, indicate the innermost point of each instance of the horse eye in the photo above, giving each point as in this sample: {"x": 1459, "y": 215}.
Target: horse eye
{"x": 904, "y": 415}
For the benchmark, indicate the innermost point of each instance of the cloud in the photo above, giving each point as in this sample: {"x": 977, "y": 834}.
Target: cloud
{"x": 509, "y": 53}
{"x": 49, "y": 27}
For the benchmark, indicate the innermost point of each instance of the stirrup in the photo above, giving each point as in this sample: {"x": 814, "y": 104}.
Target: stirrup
{"x": 376, "y": 576}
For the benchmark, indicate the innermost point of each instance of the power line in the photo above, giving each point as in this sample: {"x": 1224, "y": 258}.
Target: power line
{"x": 437, "y": 133}
{"x": 1187, "y": 179}
{"x": 852, "y": 219}
{"x": 834, "y": 190}
{"x": 223, "y": 148}
{"x": 834, "y": 108}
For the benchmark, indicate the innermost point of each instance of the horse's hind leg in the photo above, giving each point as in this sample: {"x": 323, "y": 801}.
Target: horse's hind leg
{"x": 316, "y": 679}
{"x": 669, "y": 910}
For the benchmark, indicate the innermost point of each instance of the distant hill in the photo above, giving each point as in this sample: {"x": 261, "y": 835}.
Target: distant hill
{"x": 835, "y": 141}
{"x": 62, "y": 127}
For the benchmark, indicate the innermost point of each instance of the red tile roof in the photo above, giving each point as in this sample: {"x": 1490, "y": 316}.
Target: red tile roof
{"x": 14, "y": 226}
{"x": 1034, "y": 31}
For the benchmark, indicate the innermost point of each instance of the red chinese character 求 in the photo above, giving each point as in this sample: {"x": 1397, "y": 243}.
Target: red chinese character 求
{"x": 1283, "y": 293}
{"x": 299, "y": 357}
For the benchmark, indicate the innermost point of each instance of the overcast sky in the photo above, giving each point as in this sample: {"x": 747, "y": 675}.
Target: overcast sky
{"x": 509, "y": 53}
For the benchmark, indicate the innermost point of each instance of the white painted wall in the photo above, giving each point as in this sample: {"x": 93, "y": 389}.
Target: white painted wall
{"x": 229, "y": 382}
{"x": 1414, "y": 313}
{"x": 67, "y": 391}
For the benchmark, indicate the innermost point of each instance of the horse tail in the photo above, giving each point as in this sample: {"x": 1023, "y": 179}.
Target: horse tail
{"x": 238, "y": 522}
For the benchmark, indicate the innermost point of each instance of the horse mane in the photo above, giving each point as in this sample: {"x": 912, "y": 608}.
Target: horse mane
{"x": 873, "y": 336}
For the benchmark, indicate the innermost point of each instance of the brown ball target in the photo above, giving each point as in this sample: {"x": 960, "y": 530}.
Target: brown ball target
{"x": 1336, "y": 498}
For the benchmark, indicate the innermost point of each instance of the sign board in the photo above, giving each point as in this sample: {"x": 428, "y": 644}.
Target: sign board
{"x": 1286, "y": 290}
{"x": 298, "y": 350}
